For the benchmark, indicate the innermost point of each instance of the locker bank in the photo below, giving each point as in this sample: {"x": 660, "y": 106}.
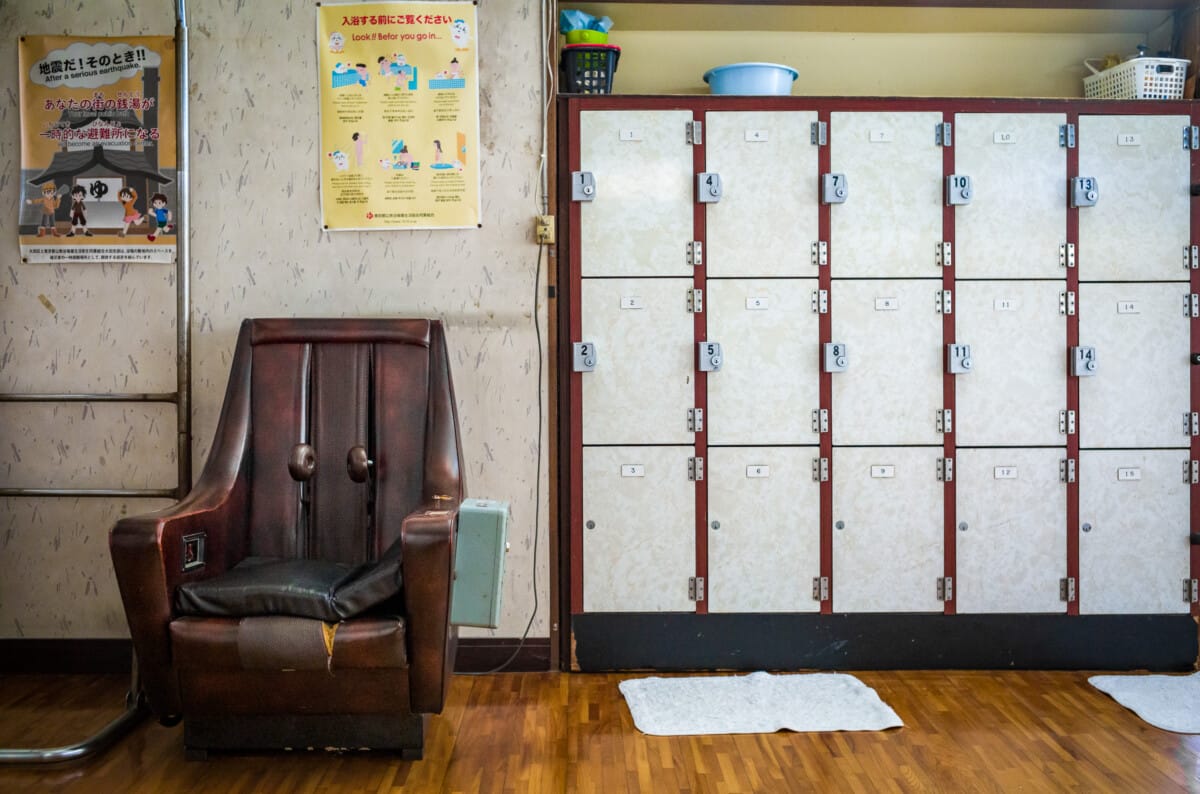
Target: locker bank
{"x": 879, "y": 383}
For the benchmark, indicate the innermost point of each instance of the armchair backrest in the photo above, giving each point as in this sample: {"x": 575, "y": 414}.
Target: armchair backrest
{"x": 383, "y": 385}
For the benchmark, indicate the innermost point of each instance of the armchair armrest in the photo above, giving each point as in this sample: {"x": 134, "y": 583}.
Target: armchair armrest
{"x": 427, "y": 535}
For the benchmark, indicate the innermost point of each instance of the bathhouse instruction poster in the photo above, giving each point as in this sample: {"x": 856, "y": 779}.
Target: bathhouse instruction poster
{"x": 399, "y": 104}
{"x": 98, "y": 156}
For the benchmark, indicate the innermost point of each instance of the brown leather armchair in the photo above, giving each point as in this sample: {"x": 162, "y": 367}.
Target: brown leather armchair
{"x": 300, "y": 595}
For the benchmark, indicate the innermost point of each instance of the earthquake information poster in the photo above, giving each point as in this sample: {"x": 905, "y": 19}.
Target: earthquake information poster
{"x": 399, "y": 107}
{"x": 98, "y": 156}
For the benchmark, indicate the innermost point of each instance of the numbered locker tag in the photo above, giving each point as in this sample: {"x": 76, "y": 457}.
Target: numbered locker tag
{"x": 584, "y": 357}
{"x": 837, "y": 357}
{"x": 959, "y": 190}
{"x": 710, "y": 356}
{"x": 1083, "y": 361}
{"x": 1085, "y": 191}
{"x": 834, "y": 189}
{"x": 958, "y": 359}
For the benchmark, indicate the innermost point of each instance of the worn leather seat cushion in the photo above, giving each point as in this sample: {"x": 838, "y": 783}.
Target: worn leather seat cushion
{"x": 326, "y": 591}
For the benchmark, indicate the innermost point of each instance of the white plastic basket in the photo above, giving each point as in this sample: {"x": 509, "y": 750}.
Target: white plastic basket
{"x": 1137, "y": 78}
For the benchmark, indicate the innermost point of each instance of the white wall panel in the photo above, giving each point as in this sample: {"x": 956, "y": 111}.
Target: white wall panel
{"x": 768, "y": 385}
{"x": 764, "y": 539}
{"x": 639, "y": 537}
{"x": 1011, "y": 534}
{"x": 768, "y": 167}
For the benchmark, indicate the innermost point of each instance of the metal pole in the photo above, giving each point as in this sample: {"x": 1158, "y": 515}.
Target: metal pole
{"x": 183, "y": 297}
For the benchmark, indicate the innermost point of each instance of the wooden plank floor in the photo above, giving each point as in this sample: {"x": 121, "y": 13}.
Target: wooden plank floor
{"x": 549, "y": 732}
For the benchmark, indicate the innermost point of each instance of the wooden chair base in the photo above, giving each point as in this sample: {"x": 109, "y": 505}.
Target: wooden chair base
{"x": 403, "y": 734}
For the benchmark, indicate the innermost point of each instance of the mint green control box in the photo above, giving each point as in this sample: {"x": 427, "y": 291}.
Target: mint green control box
{"x": 479, "y": 563}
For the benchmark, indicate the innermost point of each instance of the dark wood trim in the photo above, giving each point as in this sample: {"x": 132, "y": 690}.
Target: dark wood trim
{"x": 475, "y": 655}
{"x": 883, "y": 641}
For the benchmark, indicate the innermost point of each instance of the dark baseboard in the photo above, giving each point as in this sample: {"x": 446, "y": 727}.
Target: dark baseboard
{"x": 687, "y": 641}
{"x": 475, "y": 655}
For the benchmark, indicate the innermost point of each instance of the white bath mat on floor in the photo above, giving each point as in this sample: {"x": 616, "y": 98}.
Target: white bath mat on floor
{"x": 1170, "y": 702}
{"x": 755, "y": 703}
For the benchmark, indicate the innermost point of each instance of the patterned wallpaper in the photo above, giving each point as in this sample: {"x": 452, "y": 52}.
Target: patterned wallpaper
{"x": 257, "y": 250}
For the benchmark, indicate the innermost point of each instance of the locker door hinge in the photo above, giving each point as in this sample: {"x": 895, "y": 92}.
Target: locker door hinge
{"x": 1066, "y": 470}
{"x": 820, "y": 301}
{"x": 819, "y": 135}
{"x": 1191, "y": 590}
{"x": 1191, "y": 472}
{"x": 583, "y": 186}
{"x": 695, "y": 132}
{"x": 820, "y": 420}
{"x": 945, "y": 469}
{"x": 1191, "y": 424}
{"x": 943, "y": 134}
{"x": 695, "y": 588}
{"x": 944, "y": 300}
{"x": 1066, "y": 589}
{"x": 695, "y": 301}
{"x": 696, "y": 469}
{"x": 1066, "y": 303}
{"x": 696, "y": 420}
{"x": 695, "y": 253}
{"x": 945, "y": 588}
{"x": 1191, "y": 257}
{"x": 1191, "y": 305}
{"x": 820, "y": 253}
{"x": 1066, "y": 422}
{"x": 820, "y": 469}
{"x": 1066, "y": 255}
{"x": 945, "y": 420}
{"x": 820, "y": 588}
{"x": 583, "y": 357}
{"x": 1066, "y": 136}
{"x": 944, "y": 254}
{"x": 1191, "y": 138}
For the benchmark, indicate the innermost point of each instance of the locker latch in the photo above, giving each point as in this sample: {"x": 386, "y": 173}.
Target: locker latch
{"x": 944, "y": 301}
{"x": 1066, "y": 136}
{"x": 696, "y": 420}
{"x": 945, "y": 420}
{"x": 696, "y": 469}
{"x": 1191, "y": 424}
{"x": 945, "y": 588}
{"x": 695, "y": 253}
{"x": 820, "y": 420}
{"x": 834, "y": 189}
{"x": 836, "y": 357}
{"x": 1083, "y": 361}
{"x": 943, "y": 134}
{"x": 820, "y": 588}
{"x": 1066, "y": 255}
{"x": 1191, "y": 137}
{"x": 1066, "y": 589}
{"x": 959, "y": 190}
{"x": 945, "y": 469}
{"x": 583, "y": 357}
{"x": 1066, "y": 470}
{"x": 708, "y": 187}
{"x": 1066, "y": 422}
{"x": 709, "y": 356}
{"x": 1191, "y": 472}
{"x": 1085, "y": 191}
{"x": 583, "y": 186}
{"x": 958, "y": 359}
{"x": 820, "y": 253}
{"x": 820, "y": 301}
{"x": 695, "y": 301}
{"x": 695, "y": 588}
{"x": 820, "y": 469}
{"x": 1191, "y": 590}
{"x": 944, "y": 254}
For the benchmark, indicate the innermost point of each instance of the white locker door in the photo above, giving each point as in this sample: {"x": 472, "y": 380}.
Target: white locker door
{"x": 891, "y": 219}
{"x": 766, "y": 221}
{"x": 1140, "y": 224}
{"x": 642, "y": 386}
{"x": 887, "y": 529}
{"x": 639, "y": 529}
{"x": 1016, "y": 219}
{"x": 764, "y": 539}
{"x": 1133, "y": 543}
{"x": 891, "y": 388}
{"x": 1141, "y": 390}
{"x": 640, "y": 221}
{"x": 1017, "y": 384}
{"x": 768, "y": 385}
{"x": 1011, "y": 543}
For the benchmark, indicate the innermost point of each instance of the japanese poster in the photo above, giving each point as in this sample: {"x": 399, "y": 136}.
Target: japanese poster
{"x": 399, "y": 102}
{"x": 98, "y": 158}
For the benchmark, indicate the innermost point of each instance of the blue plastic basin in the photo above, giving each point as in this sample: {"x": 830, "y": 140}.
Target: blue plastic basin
{"x": 751, "y": 79}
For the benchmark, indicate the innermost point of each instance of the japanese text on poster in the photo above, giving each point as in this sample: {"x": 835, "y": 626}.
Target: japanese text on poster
{"x": 98, "y": 159}
{"x": 399, "y": 101}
